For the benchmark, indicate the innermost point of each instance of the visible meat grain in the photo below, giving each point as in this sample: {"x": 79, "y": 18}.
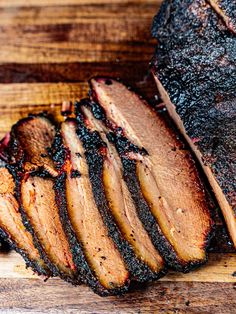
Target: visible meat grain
{"x": 86, "y": 219}
{"x": 121, "y": 203}
{"x": 33, "y": 138}
{"x": 173, "y": 190}
{"x": 12, "y": 226}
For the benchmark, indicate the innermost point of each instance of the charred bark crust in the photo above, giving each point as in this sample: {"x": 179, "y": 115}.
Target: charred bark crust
{"x": 196, "y": 63}
{"x": 4, "y": 245}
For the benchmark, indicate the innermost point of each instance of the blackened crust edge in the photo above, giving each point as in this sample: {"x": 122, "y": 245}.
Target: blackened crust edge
{"x": 36, "y": 267}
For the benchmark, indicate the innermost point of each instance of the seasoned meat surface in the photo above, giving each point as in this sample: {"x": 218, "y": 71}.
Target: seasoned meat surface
{"x": 226, "y": 9}
{"x": 195, "y": 69}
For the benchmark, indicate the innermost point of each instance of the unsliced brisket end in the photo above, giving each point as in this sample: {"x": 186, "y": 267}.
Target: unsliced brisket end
{"x": 112, "y": 194}
{"x": 166, "y": 172}
{"x": 101, "y": 262}
{"x": 195, "y": 70}
{"x": 31, "y": 139}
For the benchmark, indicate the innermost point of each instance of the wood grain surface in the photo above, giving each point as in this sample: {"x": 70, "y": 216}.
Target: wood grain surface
{"x": 220, "y": 268}
{"x": 49, "y": 50}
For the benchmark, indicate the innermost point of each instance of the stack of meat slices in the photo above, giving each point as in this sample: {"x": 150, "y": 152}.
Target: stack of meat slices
{"x": 109, "y": 196}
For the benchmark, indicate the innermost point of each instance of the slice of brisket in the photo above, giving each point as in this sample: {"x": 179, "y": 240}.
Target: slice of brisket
{"x": 165, "y": 171}
{"x": 31, "y": 139}
{"x": 91, "y": 241}
{"x": 12, "y": 229}
{"x": 195, "y": 70}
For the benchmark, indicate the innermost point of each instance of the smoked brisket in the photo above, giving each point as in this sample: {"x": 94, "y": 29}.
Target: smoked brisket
{"x": 165, "y": 171}
{"x": 31, "y": 139}
{"x": 95, "y": 253}
{"x": 195, "y": 70}
{"x": 110, "y": 196}
{"x": 12, "y": 229}
{"x": 141, "y": 257}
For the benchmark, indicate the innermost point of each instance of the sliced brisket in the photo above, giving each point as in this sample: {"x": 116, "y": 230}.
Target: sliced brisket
{"x": 141, "y": 257}
{"x": 166, "y": 173}
{"x": 12, "y": 228}
{"x": 31, "y": 139}
{"x": 99, "y": 259}
{"x": 195, "y": 69}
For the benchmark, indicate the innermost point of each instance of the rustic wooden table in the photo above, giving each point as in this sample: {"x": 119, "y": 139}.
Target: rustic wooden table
{"x": 49, "y": 49}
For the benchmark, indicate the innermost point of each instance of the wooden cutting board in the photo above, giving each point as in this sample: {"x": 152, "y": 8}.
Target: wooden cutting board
{"x": 49, "y": 49}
